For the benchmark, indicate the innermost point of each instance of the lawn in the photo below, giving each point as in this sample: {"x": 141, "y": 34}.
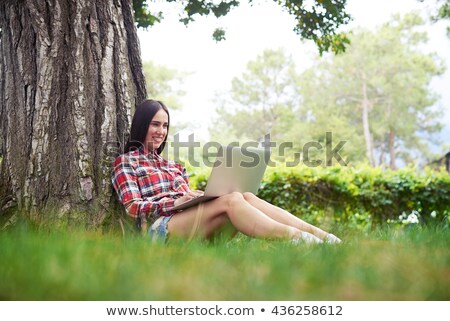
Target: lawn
{"x": 386, "y": 264}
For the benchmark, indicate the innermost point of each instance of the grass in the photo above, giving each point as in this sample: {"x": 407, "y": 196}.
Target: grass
{"x": 408, "y": 264}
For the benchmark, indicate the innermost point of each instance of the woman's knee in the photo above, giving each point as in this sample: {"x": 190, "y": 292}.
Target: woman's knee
{"x": 233, "y": 198}
{"x": 248, "y": 196}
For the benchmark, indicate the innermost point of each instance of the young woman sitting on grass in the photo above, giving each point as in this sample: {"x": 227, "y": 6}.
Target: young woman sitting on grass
{"x": 149, "y": 187}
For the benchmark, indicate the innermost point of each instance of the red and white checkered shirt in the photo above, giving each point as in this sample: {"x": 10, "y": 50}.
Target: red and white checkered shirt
{"x": 148, "y": 184}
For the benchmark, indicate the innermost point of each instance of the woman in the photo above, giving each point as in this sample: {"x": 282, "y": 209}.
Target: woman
{"x": 150, "y": 186}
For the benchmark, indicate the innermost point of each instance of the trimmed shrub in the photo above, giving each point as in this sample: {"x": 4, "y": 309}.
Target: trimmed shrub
{"x": 359, "y": 195}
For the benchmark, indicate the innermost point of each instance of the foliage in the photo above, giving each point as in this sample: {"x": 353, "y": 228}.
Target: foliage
{"x": 377, "y": 93}
{"x": 164, "y": 83}
{"x": 375, "y": 97}
{"x": 442, "y": 12}
{"x": 319, "y": 20}
{"x": 260, "y": 101}
{"x": 143, "y": 17}
{"x": 316, "y": 20}
{"x": 362, "y": 196}
{"x": 49, "y": 264}
{"x": 196, "y": 7}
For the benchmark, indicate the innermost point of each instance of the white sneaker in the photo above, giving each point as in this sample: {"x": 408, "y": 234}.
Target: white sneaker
{"x": 332, "y": 239}
{"x": 307, "y": 238}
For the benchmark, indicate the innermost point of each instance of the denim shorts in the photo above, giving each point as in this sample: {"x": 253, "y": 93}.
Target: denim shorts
{"x": 158, "y": 230}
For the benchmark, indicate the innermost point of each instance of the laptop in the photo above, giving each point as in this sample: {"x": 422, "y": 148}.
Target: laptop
{"x": 236, "y": 169}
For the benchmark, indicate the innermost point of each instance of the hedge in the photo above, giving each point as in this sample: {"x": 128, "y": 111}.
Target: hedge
{"x": 360, "y": 195}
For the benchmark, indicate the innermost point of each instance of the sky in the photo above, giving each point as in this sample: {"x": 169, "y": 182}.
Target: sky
{"x": 249, "y": 31}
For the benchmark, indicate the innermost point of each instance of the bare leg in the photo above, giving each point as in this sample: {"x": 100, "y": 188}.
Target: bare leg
{"x": 208, "y": 217}
{"x": 282, "y": 216}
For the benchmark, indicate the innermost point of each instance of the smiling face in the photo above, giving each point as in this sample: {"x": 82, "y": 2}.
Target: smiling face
{"x": 157, "y": 130}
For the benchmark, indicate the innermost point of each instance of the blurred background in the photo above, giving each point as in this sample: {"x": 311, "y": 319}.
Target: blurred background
{"x": 387, "y": 96}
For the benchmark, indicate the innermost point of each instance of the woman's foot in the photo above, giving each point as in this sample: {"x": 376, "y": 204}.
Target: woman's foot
{"x": 332, "y": 239}
{"x": 307, "y": 238}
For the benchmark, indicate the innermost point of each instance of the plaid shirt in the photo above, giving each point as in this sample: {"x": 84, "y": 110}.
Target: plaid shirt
{"x": 148, "y": 185}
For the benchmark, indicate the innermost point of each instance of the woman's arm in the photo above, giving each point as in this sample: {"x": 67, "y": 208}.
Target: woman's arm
{"x": 125, "y": 182}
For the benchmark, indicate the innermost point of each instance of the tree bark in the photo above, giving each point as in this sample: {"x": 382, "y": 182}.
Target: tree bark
{"x": 70, "y": 73}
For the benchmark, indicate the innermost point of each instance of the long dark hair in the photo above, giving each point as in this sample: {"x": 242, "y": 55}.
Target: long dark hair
{"x": 143, "y": 115}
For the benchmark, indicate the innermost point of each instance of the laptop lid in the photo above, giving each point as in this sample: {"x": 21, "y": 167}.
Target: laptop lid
{"x": 237, "y": 169}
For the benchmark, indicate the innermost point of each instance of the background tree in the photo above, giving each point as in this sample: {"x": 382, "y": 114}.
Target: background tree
{"x": 260, "y": 101}
{"x": 444, "y": 13}
{"x": 164, "y": 83}
{"x": 380, "y": 85}
{"x": 441, "y": 13}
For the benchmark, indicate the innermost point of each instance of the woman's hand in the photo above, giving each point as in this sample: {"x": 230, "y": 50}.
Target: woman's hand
{"x": 188, "y": 196}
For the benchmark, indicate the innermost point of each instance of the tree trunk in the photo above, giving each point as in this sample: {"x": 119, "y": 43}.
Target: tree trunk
{"x": 366, "y": 127}
{"x": 391, "y": 140}
{"x": 382, "y": 156}
{"x": 70, "y": 72}
{"x": 392, "y": 148}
